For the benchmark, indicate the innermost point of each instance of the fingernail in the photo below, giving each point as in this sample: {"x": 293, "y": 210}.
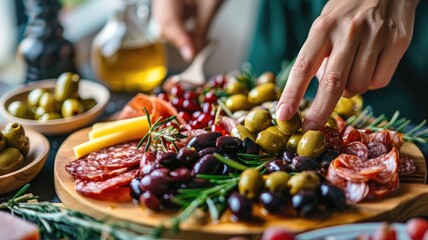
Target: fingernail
{"x": 283, "y": 112}
{"x": 186, "y": 53}
{"x": 309, "y": 126}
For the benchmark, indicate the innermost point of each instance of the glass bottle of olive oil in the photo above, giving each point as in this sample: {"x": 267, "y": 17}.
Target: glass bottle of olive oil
{"x": 123, "y": 56}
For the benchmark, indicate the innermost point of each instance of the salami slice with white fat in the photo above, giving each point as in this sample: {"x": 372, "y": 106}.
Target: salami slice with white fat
{"x": 106, "y": 163}
{"x": 83, "y": 171}
{"x": 406, "y": 165}
{"x": 117, "y": 156}
{"x": 358, "y": 149}
{"x": 376, "y": 149}
{"x": 96, "y": 188}
{"x": 333, "y": 138}
{"x": 356, "y": 192}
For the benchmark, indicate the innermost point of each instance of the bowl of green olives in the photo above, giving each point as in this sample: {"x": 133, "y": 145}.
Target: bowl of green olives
{"x": 55, "y": 106}
{"x": 23, "y": 152}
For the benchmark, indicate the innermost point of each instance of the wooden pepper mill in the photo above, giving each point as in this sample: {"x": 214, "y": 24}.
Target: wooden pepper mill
{"x": 45, "y": 51}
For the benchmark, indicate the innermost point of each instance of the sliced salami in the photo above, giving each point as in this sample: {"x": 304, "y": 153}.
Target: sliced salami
{"x": 396, "y": 138}
{"x": 383, "y": 137}
{"x": 84, "y": 171}
{"x": 117, "y": 156}
{"x": 358, "y": 149}
{"x": 96, "y": 188}
{"x": 406, "y": 165}
{"x": 356, "y": 192}
{"x": 378, "y": 190}
{"x": 121, "y": 194}
{"x": 376, "y": 149}
{"x": 333, "y": 138}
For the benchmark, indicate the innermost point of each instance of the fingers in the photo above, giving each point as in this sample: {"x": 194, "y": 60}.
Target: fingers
{"x": 332, "y": 83}
{"x": 205, "y": 12}
{"x": 306, "y": 65}
{"x": 169, "y": 16}
{"x": 388, "y": 61}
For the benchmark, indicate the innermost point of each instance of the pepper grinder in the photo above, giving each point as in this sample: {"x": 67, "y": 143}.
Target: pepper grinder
{"x": 45, "y": 51}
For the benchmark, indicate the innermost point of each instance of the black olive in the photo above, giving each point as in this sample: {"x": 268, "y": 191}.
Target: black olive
{"x": 332, "y": 196}
{"x": 250, "y": 147}
{"x": 229, "y": 144}
{"x": 302, "y": 163}
{"x": 305, "y": 202}
{"x": 240, "y": 206}
{"x": 272, "y": 202}
{"x": 207, "y": 164}
{"x": 204, "y": 140}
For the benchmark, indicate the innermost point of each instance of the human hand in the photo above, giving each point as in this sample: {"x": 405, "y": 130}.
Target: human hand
{"x": 171, "y": 16}
{"x": 354, "y": 46}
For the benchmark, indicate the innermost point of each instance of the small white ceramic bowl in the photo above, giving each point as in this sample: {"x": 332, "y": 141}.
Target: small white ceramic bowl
{"x": 57, "y": 126}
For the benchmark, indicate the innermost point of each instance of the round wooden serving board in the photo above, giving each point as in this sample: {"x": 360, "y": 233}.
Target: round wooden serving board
{"x": 410, "y": 201}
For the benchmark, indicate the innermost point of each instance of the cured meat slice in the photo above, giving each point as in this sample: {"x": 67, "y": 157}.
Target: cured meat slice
{"x": 97, "y": 188}
{"x": 378, "y": 190}
{"x": 117, "y": 156}
{"x": 83, "y": 171}
{"x": 350, "y": 134}
{"x": 396, "y": 138}
{"x": 356, "y": 192}
{"x": 121, "y": 194}
{"x": 358, "y": 149}
{"x": 383, "y": 137}
{"x": 334, "y": 178}
{"x": 406, "y": 165}
{"x": 376, "y": 149}
{"x": 341, "y": 123}
{"x": 333, "y": 138}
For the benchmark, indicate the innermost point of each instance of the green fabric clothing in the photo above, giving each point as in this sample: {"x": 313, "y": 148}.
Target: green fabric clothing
{"x": 282, "y": 29}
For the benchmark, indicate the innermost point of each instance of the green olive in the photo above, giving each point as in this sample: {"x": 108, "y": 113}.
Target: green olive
{"x": 38, "y": 112}
{"x": 311, "y": 144}
{"x": 277, "y": 181}
{"x": 47, "y": 101}
{"x": 88, "y": 103}
{"x": 270, "y": 142}
{"x": 67, "y": 86}
{"x": 258, "y": 120}
{"x": 348, "y": 107}
{"x": 262, "y": 93}
{"x": 266, "y": 77}
{"x": 15, "y": 135}
{"x": 238, "y": 102}
{"x": 20, "y": 110}
{"x": 26, "y": 148}
{"x": 235, "y": 87}
{"x": 34, "y": 96}
{"x": 241, "y": 132}
{"x": 294, "y": 140}
{"x": 2, "y": 141}
{"x": 331, "y": 123}
{"x": 10, "y": 160}
{"x": 305, "y": 180}
{"x": 275, "y": 129}
{"x": 292, "y": 125}
{"x": 250, "y": 183}
{"x": 49, "y": 116}
{"x": 71, "y": 107}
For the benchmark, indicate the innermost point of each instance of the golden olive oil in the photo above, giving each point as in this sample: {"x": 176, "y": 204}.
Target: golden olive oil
{"x": 131, "y": 69}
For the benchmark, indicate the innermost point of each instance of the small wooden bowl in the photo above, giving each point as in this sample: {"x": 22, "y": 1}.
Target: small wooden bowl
{"x": 34, "y": 161}
{"x": 57, "y": 126}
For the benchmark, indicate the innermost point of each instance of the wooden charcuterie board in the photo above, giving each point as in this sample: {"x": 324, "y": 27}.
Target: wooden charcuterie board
{"x": 411, "y": 200}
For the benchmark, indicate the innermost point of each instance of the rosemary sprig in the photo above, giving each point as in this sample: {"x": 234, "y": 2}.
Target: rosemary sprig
{"x": 58, "y": 222}
{"x": 158, "y": 135}
{"x": 246, "y": 77}
{"x": 365, "y": 121}
{"x": 212, "y": 198}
